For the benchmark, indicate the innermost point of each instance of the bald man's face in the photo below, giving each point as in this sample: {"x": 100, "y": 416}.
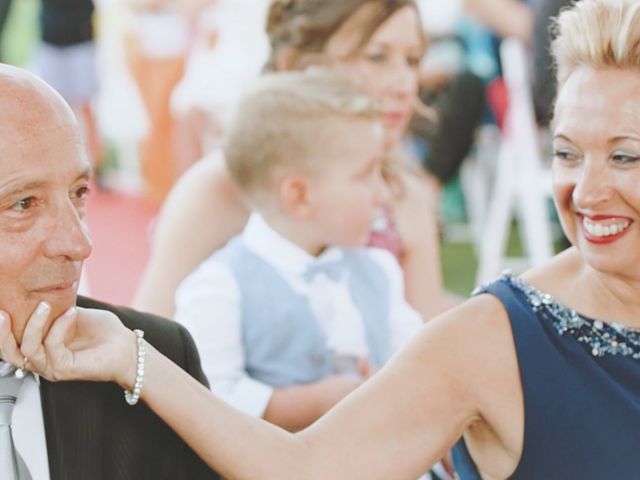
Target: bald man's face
{"x": 44, "y": 178}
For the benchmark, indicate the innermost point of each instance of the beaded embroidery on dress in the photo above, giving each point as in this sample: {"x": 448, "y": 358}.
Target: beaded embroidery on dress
{"x": 598, "y": 337}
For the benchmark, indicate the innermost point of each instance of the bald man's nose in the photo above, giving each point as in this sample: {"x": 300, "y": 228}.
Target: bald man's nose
{"x": 69, "y": 235}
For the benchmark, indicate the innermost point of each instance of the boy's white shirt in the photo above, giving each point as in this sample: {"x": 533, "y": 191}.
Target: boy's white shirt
{"x": 208, "y": 305}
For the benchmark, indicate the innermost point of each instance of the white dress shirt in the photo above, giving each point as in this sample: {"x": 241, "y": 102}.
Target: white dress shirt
{"x": 27, "y": 426}
{"x": 208, "y": 304}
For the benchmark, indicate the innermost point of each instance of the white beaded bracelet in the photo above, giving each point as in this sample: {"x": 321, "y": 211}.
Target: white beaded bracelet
{"x": 133, "y": 396}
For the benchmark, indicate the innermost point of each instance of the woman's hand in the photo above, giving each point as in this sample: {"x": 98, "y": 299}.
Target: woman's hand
{"x": 82, "y": 344}
{"x": 415, "y": 210}
{"x": 415, "y": 214}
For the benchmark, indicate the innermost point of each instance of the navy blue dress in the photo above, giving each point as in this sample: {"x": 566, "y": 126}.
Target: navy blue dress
{"x": 581, "y": 387}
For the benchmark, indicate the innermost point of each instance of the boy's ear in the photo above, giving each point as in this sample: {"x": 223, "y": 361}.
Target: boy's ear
{"x": 294, "y": 196}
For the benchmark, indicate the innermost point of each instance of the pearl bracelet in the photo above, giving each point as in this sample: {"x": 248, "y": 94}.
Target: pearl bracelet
{"x": 133, "y": 396}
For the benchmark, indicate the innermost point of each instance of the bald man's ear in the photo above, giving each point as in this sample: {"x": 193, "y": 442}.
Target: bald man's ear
{"x": 294, "y": 196}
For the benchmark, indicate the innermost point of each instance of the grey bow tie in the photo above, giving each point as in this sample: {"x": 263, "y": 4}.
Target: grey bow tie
{"x": 332, "y": 269}
{"x": 12, "y": 467}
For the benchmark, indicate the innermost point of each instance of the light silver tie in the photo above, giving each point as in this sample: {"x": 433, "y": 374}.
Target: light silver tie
{"x": 12, "y": 467}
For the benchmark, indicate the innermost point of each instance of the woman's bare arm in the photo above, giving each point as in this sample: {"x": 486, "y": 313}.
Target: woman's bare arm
{"x": 203, "y": 212}
{"x": 395, "y": 426}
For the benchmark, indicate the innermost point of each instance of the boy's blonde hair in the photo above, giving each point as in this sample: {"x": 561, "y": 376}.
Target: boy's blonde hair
{"x": 282, "y": 122}
{"x": 597, "y": 33}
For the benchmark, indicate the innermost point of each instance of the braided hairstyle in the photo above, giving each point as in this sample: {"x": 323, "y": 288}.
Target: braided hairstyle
{"x": 304, "y": 27}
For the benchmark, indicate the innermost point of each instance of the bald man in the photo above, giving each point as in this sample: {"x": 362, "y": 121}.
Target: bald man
{"x": 70, "y": 430}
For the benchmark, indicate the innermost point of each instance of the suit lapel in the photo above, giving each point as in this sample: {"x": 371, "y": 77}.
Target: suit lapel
{"x": 73, "y": 415}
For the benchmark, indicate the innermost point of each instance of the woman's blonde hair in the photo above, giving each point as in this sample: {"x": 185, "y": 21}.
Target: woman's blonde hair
{"x": 597, "y": 33}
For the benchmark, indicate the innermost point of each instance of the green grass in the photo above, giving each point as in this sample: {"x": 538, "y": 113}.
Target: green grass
{"x": 459, "y": 265}
{"x": 20, "y": 34}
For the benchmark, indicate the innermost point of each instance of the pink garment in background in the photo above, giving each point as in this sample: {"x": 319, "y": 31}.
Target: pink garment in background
{"x": 385, "y": 235}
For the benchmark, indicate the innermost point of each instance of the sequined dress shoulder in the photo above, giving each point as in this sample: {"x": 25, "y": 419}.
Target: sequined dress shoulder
{"x": 581, "y": 388}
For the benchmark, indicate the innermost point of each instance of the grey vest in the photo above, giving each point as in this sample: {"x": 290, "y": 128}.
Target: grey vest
{"x": 284, "y": 345}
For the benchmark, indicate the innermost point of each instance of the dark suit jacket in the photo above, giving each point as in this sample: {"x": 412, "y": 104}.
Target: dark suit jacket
{"x": 93, "y": 434}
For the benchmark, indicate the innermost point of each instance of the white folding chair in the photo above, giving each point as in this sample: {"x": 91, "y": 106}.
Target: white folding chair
{"x": 521, "y": 184}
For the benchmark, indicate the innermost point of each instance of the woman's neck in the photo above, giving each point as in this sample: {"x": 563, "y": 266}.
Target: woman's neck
{"x": 590, "y": 292}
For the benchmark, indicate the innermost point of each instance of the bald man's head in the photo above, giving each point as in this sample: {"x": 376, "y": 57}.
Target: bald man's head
{"x": 28, "y": 104}
{"x": 44, "y": 177}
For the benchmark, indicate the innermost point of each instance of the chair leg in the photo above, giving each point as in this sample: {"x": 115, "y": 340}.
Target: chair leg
{"x": 498, "y": 218}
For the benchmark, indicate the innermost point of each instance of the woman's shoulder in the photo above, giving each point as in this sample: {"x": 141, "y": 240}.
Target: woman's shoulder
{"x": 473, "y": 326}
{"x": 205, "y": 186}
{"x": 204, "y": 176}
{"x": 482, "y": 312}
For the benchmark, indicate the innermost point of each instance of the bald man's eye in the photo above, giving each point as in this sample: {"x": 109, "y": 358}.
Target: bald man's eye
{"x": 24, "y": 204}
{"x": 83, "y": 192}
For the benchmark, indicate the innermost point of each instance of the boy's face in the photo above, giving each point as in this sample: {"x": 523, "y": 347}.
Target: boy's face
{"x": 347, "y": 190}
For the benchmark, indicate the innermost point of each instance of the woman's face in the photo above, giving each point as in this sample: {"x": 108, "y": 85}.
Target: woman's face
{"x": 386, "y": 67}
{"x": 596, "y": 167}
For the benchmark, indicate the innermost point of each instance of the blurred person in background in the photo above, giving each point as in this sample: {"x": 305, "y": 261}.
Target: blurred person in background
{"x": 5, "y": 6}
{"x": 66, "y": 59}
{"x": 455, "y": 94}
{"x": 229, "y": 50}
{"x": 452, "y": 76}
{"x": 506, "y": 18}
{"x": 544, "y": 82}
{"x": 158, "y": 44}
{"x": 378, "y": 44}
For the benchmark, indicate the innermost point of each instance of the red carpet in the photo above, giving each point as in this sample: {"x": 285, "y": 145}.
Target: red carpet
{"x": 119, "y": 226}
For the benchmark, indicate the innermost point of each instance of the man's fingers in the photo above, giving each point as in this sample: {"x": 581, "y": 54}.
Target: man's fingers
{"x": 9, "y": 350}
{"x": 34, "y": 333}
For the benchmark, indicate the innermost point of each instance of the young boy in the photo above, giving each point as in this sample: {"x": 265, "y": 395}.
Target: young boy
{"x": 296, "y": 312}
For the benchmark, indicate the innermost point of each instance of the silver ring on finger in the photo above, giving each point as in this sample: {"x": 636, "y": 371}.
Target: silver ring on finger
{"x": 20, "y": 372}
